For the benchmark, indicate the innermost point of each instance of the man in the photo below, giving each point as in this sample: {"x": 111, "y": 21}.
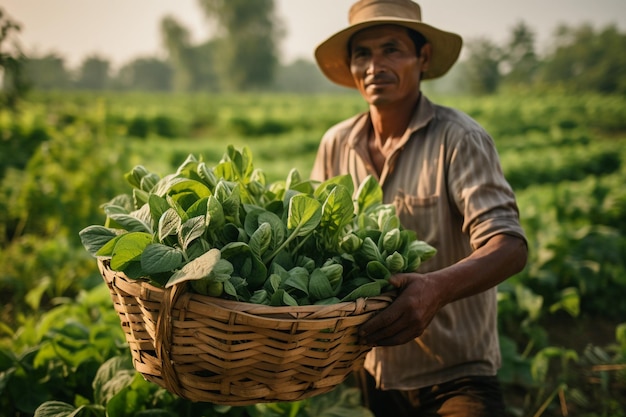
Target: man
{"x": 436, "y": 348}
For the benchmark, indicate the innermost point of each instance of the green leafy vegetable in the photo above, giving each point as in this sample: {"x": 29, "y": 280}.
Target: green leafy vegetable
{"x": 228, "y": 233}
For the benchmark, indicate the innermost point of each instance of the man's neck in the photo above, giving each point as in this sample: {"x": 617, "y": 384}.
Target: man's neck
{"x": 391, "y": 121}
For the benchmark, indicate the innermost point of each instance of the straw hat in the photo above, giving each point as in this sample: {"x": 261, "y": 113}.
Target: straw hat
{"x": 332, "y": 54}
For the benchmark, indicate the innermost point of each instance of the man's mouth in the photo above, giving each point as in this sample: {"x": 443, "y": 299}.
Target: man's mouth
{"x": 378, "y": 81}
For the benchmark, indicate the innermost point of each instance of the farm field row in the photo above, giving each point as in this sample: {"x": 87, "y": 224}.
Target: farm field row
{"x": 66, "y": 154}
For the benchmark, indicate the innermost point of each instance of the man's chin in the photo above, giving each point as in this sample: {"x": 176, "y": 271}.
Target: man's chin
{"x": 379, "y": 100}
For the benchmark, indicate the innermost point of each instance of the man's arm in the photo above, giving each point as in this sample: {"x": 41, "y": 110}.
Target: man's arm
{"x": 421, "y": 296}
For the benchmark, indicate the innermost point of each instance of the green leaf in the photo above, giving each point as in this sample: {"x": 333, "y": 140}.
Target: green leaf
{"x": 368, "y": 194}
{"x": 257, "y": 274}
{"x": 215, "y": 214}
{"x": 140, "y": 197}
{"x": 377, "y": 270}
{"x": 169, "y": 223}
{"x": 206, "y": 174}
{"x": 135, "y": 175}
{"x": 234, "y": 249}
{"x": 282, "y": 298}
{"x": 273, "y": 282}
{"x": 371, "y": 289}
{"x": 224, "y": 171}
{"x": 196, "y": 269}
{"x": 319, "y": 286}
{"x": 350, "y": 243}
{"x": 288, "y": 300}
{"x": 529, "y": 301}
{"x": 304, "y": 216}
{"x": 569, "y": 301}
{"x": 242, "y": 161}
{"x": 158, "y": 206}
{"x": 109, "y": 371}
{"x": 334, "y": 273}
{"x": 107, "y": 249}
{"x": 276, "y": 225}
{"x": 55, "y": 409}
{"x": 337, "y": 211}
{"x": 324, "y": 189}
{"x": 392, "y": 240}
{"x": 95, "y": 237}
{"x": 423, "y": 249}
{"x": 230, "y": 289}
{"x": 395, "y": 262}
{"x": 369, "y": 251}
{"x": 259, "y": 297}
{"x": 131, "y": 223}
{"x": 158, "y": 258}
{"x": 328, "y": 301}
{"x": 129, "y": 248}
{"x": 298, "y": 278}
{"x": 189, "y": 165}
{"x": 191, "y": 230}
{"x": 261, "y": 239}
{"x": 148, "y": 182}
{"x": 183, "y": 185}
{"x": 198, "y": 208}
{"x": 293, "y": 179}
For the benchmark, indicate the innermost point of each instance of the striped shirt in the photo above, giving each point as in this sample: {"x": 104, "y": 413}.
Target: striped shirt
{"x": 445, "y": 180}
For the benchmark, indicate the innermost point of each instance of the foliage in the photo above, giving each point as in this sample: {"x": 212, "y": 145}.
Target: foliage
{"x": 247, "y": 47}
{"x": 93, "y": 74}
{"x": 483, "y": 66}
{"x": 519, "y": 57}
{"x": 588, "y": 60}
{"x": 177, "y": 42}
{"x": 48, "y": 72}
{"x": 561, "y": 320}
{"x": 231, "y": 234}
{"x": 14, "y": 84}
{"x": 145, "y": 74}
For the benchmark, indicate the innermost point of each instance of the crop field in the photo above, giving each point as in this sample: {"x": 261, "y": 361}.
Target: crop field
{"x": 62, "y": 352}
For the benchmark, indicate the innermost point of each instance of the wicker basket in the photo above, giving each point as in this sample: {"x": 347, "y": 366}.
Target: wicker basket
{"x": 225, "y": 352}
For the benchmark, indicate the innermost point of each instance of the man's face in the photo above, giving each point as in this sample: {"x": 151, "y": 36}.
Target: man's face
{"x": 385, "y": 66}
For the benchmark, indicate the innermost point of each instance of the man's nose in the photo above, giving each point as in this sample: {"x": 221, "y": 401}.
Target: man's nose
{"x": 375, "y": 64}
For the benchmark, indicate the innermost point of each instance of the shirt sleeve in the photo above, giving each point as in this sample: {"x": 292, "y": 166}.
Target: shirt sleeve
{"x": 480, "y": 191}
{"x": 319, "y": 171}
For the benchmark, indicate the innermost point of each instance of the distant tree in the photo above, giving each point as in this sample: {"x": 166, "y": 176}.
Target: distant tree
{"x": 483, "y": 66}
{"x": 47, "y": 72}
{"x": 202, "y": 59}
{"x": 249, "y": 32}
{"x": 145, "y": 74}
{"x": 13, "y": 82}
{"x": 177, "y": 42}
{"x": 519, "y": 56}
{"x": 586, "y": 60}
{"x": 93, "y": 73}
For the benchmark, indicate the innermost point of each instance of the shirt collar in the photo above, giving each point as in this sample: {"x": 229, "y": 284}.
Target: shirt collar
{"x": 424, "y": 114}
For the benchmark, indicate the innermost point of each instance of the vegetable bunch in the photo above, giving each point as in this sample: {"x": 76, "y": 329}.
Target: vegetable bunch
{"x": 231, "y": 234}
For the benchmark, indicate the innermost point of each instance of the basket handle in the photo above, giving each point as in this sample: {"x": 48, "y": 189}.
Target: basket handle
{"x": 163, "y": 342}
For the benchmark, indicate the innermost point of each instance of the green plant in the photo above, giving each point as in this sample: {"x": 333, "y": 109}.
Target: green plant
{"x": 229, "y": 233}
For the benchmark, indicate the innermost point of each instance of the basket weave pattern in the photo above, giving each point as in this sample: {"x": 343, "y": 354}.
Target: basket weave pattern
{"x": 226, "y": 352}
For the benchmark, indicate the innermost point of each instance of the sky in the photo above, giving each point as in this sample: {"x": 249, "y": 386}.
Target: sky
{"x": 121, "y": 30}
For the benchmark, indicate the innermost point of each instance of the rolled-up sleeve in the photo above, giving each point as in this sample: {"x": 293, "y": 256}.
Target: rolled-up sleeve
{"x": 480, "y": 191}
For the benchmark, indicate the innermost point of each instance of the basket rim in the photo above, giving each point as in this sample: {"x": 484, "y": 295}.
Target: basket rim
{"x": 252, "y": 308}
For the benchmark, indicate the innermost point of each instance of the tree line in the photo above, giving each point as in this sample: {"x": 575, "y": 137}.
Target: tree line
{"x": 244, "y": 56}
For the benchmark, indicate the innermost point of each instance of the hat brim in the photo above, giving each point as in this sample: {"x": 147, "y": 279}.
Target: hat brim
{"x": 333, "y": 59}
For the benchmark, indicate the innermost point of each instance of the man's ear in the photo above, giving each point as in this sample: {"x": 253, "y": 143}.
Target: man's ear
{"x": 424, "y": 56}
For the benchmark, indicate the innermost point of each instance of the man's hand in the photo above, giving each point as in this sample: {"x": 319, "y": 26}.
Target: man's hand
{"x": 423, "y": 295}
{"x": 408, "y": 316}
